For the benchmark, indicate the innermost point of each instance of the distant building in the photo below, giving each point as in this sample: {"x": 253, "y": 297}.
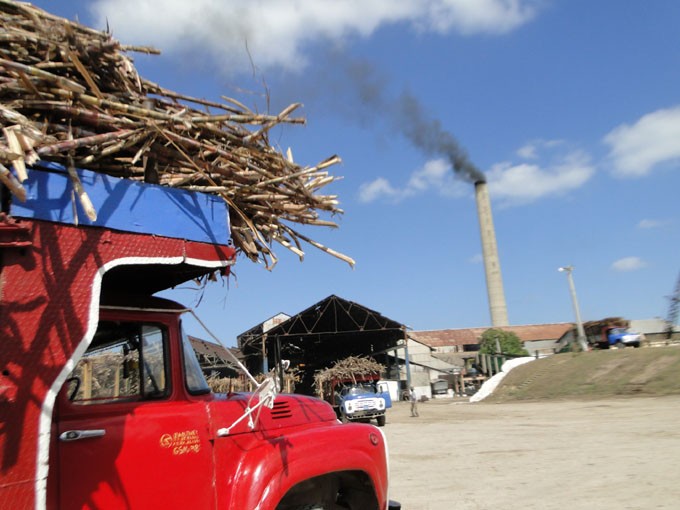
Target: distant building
{"x": 461, "y": 344}
{"x": 313, "y": 339}
{"x": 451, "y": 354}
{"x": 655, "y": 330}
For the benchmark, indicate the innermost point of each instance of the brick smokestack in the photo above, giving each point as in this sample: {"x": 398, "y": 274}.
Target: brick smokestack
{"x": 492, "y": 266}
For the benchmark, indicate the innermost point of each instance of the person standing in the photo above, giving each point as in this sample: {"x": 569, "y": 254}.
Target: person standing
{"x": 414, "y": 402}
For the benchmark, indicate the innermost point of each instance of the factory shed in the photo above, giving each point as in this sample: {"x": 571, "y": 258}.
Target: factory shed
{"x": 315, "y": 338}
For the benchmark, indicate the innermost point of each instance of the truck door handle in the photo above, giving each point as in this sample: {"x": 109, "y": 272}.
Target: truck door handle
{"x": 74, "y": 435}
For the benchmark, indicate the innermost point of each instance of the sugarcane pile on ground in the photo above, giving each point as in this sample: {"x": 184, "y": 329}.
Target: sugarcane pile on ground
{"x": 71, "y": 94}
{"x": 347, "y": 368}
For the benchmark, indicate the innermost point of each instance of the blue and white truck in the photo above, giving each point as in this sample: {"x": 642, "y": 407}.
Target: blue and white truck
{"x": 611, "y": 333}
{"x": 354, "y": 389}
{"x": 622, "y": 337}
{"x": 362, "y": 400}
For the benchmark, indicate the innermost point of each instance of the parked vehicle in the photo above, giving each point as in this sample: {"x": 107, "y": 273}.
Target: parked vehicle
{"x": 102, "y": 401}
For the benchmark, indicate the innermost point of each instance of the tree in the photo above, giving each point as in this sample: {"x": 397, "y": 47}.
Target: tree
{"x": 507, "y": 340}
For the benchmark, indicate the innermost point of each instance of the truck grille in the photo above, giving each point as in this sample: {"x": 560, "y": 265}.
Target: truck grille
{"x": 281, "y": 410}
{"x": 365, "y": 403}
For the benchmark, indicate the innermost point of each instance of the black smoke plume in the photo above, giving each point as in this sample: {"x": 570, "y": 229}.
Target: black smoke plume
{"x": 407, "y": 115}
{"x": 428, "y": 135}
{"x": 341, "y": 81}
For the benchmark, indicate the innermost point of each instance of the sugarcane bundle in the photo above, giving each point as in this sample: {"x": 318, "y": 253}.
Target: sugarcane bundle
{"x": 347, "y": 369}
{"x": 596, "y": 327}
{"x": 71, "y": 94}
{"x": 229, "y": 384}
{"x": 235, "y": 384}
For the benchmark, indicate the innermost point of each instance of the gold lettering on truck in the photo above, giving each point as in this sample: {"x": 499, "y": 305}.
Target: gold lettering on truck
{"x": 181, "y": 443}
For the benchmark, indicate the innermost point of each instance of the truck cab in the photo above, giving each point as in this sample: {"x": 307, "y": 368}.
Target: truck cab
{"x": 622, "y": 337}
{"x": 137, "y": 426}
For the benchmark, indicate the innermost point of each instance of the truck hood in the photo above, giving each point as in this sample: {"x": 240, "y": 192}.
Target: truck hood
{"x": 630, "y": 337}
{"x": 288, "y": 411}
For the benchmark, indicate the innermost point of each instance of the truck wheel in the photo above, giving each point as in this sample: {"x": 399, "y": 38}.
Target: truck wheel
{"x": 381, "y": 420}
{"x": 343, "y": 490}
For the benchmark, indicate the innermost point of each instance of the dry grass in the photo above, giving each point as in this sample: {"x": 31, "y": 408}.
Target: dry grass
{"x": 594, "y": 375}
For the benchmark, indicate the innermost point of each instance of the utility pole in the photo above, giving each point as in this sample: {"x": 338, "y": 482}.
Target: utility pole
{"x": 406, "y": 360}
{"x": 579, "y": 325}
{"x": 265, "y": 364}
{"x": 674, "y": 310}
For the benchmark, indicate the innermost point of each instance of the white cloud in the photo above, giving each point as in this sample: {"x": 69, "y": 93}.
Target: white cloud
{"x": 527, "y": 152}
{"x": 511, "y": 184}
{"x": 645, "y": 224}
{"x": 654, "y": 139}
{"x": 277, "y": 32}
{"x": 473, "y": 16}
{"x": 628, "y": 264}
{"x": 523, "y": 183}
{"x": 436, "y": 175}
{"x": 377, "y": 189}
{"x": 531, "y": 149}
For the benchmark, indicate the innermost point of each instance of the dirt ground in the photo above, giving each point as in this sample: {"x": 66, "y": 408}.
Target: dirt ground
{"x": 602, "y": 454}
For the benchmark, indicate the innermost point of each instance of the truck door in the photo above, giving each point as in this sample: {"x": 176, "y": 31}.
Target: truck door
{"x": 383, "y": 389}
{"x": 125, "y": 440}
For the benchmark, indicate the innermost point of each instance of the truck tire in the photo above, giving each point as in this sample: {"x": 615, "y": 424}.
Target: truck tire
{"x": 381, "y": 420}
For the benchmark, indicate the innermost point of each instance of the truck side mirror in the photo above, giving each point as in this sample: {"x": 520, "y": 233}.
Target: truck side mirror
{"x": 72, "y": 394}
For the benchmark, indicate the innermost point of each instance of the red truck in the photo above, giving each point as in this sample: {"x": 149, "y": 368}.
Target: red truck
{"x": 102, "y": 401}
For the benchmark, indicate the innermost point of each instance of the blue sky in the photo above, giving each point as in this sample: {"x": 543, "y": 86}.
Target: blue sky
{"x": 571, "y": 109}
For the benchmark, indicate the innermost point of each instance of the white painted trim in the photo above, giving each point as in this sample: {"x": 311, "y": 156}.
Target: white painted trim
{"x": 387, "y": 462}
{"x": 45, "y": 420}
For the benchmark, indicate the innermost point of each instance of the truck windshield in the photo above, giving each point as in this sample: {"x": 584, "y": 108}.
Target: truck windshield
{"x": 195, "y": 380}
{"x": 359, "y": 389}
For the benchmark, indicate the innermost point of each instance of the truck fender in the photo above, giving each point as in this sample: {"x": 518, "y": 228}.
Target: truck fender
{"x": 269, "y": 471}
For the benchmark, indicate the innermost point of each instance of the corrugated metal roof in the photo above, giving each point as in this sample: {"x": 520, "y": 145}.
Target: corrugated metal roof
{"x": 212, "y": 349}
